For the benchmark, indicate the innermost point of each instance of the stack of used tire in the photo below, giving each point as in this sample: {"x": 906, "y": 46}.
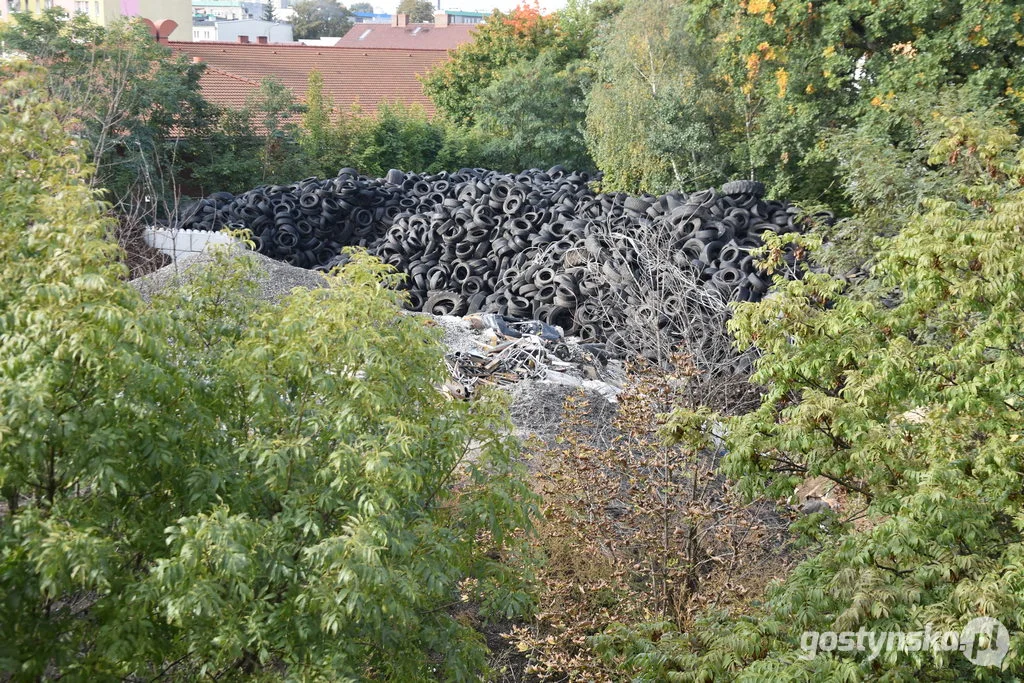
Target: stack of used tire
{"x": 539, "y": 244}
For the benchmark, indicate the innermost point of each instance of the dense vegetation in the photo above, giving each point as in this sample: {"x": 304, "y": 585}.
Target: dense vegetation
{"x": 163, "y": 471}
{"x": 210, "y": 485}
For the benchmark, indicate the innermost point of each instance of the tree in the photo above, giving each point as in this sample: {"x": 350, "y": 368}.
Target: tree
{"x": 905, "y": 397}
{"x": 361, "y": 7}
{"x": 532, "y": 116}
{"x": 419, "y": 11}
{"x": 269, "y": 13}
{"x": 803, "y": 70}
{"x": 397, "y": 137}
{"x": 128, "y": 97}
{"x": 505, "y": 39}
{"x": 273, "y": 108}
{"x": 316, "y": 18}
{"x": 212, "y": 485}
{"x": 657, "y": 118}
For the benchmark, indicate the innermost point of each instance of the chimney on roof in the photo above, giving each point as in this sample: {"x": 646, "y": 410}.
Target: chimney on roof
{"x": 243, "y": 39}
{"x": 400, "y": 20}
{"x": 440, "y": 19}
{"x": 262, "y": 40}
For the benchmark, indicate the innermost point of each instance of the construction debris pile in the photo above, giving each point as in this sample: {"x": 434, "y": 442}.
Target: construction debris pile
{"x": 489, "y": 349}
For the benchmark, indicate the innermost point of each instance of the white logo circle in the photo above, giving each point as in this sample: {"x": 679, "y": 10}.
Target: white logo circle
{"x": 985, "y": 641}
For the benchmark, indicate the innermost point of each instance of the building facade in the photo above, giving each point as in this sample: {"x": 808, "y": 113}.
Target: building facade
{"x": 231, "y": 31}
{"x": 105, "y": 12}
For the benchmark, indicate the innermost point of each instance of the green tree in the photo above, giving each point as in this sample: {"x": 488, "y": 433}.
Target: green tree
{"x": 419, "y": 11}
{"x": 801, "y": 71}
{"x": 397, "y": 137}
{"x": 361, "y": 7}
{"x": 316, "y": 18}
{"x": 455, "y": 87}
{"x": 657, "y": 118}
{"x": 317, "y": 136}
{"x": 269, "y": 13}
{"x": 212, "y": 485}
{"x": 909, "y": 401}
{"x": 273, "y": 109}
{"x": 128, "y": 97}
{"x": 532, "y": 116}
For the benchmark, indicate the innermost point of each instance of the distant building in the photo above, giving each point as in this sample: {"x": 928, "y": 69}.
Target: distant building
{"x": 105, "y": 12}
{"x": 227, "y": 10}
{"x": 444, "y": 34}
{"x": 323, "y": 41}
{"x": 229, "y": 31}
{"x": 371, "y": 18}
{"x": 452, "y": 16}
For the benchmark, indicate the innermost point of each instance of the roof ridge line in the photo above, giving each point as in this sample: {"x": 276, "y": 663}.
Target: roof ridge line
{"x": 243, "y": 79}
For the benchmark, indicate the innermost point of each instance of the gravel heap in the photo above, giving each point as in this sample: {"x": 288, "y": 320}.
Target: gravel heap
{"x": 276, "y": 279}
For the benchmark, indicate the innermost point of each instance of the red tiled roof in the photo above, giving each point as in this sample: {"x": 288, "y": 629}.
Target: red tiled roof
{"x": 411, "y": 37}
{"x": 231, "y": 90}
{"x": 351, "y": 76}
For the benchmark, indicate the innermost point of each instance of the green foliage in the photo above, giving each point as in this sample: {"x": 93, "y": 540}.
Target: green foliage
{"x": 657, "y": 118}
{"x": 910, "y": 401}
{"x": 316, "y": 18}
{"x": 399, "y": 137}
{"x": 802, "y": 70}
{"x": 531, "y": 116}
{"x": 273, "y": 108}
{"x": 215, "y": 486}
{"x": 395, "y": 137}
{"x": 128, "y": 98}
{"x": 269, "y": 13}
{"x": 519, "y": 87}
{"x": 505, "y": 39}
{"x": 228, "y": 158}
{"x": 419, "y": 11}
{"x": 361, "y": 7}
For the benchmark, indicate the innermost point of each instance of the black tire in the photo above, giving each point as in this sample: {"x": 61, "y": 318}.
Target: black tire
{"x": 738, "y": 187}
{"x": 636, "y": 205}
{"x": 445, "y": 303}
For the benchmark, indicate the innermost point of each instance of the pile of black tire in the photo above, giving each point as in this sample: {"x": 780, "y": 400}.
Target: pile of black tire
{"x": 537, "y": 245}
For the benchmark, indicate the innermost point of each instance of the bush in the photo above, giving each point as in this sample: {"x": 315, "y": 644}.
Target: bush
{"x": 214, "y": 485}
{"x": 906, "y": 395}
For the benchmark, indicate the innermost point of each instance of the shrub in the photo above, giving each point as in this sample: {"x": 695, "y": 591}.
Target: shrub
{"x": 215, "y": 485}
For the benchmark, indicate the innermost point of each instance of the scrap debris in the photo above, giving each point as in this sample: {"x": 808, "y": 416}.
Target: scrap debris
{"x": 505, "y": 352}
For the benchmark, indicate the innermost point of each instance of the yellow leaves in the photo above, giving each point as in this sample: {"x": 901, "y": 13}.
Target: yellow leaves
{"x": 904, "y": 50}
{"x": 782, "y": 79}
{"x": 766, "y": 8}
{"x": 765, "y": 53}
{"x": 876, "y": 101}
{"x": 828, "y": 51}
{"x": 976, "y": 37}
{"x": 809, "y": 89}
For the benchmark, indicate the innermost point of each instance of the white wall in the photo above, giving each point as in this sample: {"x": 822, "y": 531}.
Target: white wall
{"x": 228, "y": 31}
{"x": 176, "y": 243}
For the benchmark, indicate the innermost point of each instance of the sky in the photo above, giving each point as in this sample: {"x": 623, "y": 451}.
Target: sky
{"x": 477, "y": 5}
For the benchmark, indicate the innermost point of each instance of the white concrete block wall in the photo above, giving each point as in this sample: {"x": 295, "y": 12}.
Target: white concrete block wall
{"x": 178, "y": 242}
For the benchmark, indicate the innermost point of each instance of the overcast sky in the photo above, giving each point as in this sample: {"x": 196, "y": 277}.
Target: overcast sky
{"x": 475, "y": 5}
